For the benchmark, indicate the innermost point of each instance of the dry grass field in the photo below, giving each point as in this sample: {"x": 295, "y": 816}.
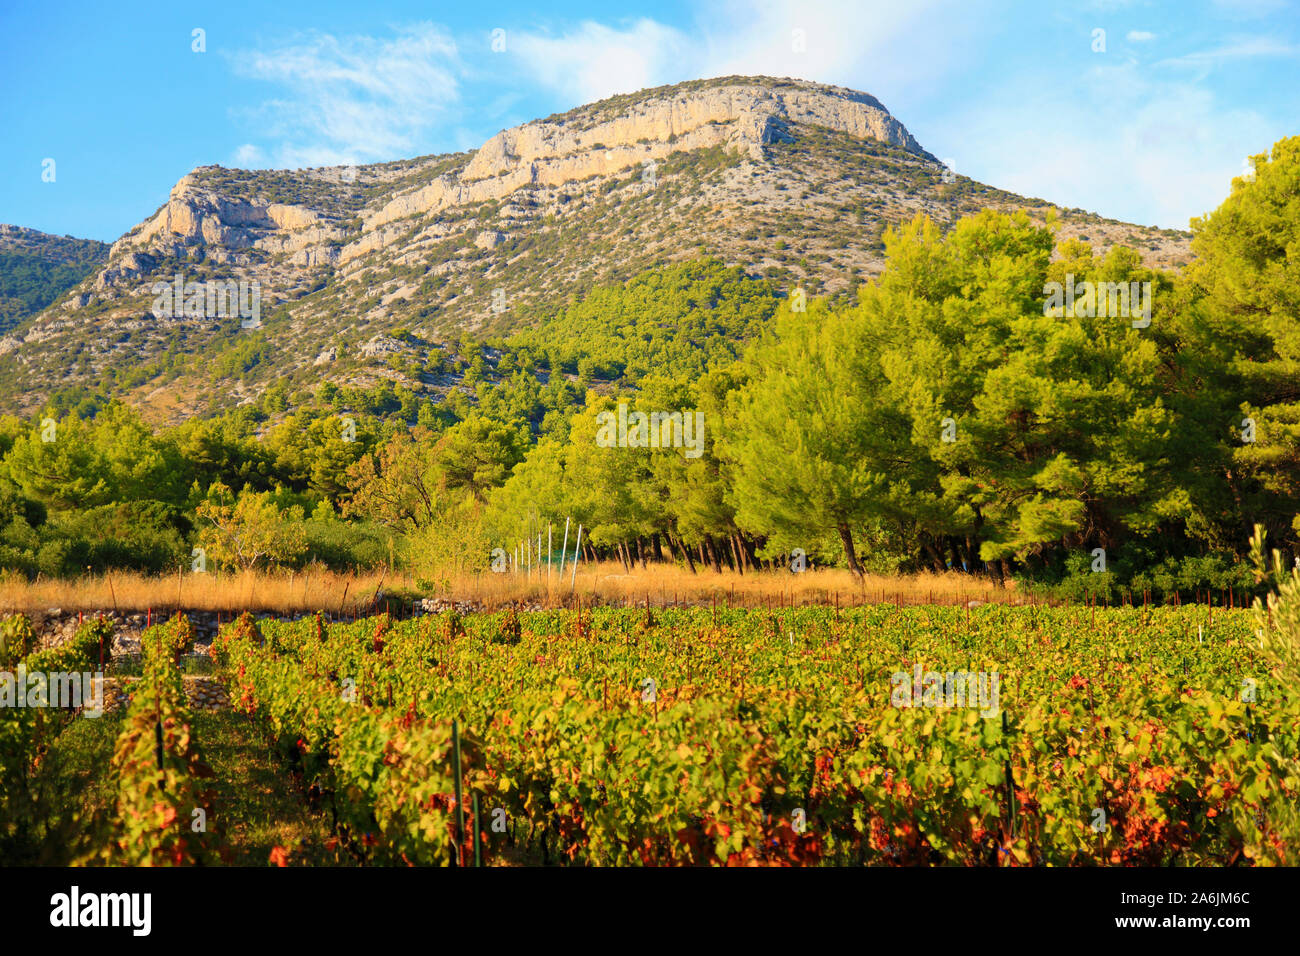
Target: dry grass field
{"x": 604, "y": 583}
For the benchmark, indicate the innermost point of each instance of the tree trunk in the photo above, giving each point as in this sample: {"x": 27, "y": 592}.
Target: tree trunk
{"x": 713, "y": 553}
{"x": 973, "y": 542}
{"x": 622, "y": 553}
{"x": 936, "y": 561}
{"x": 686, "y": 553}
{"x": 735, "y": 554}
{"x": 656, "y": 550}
{"x": 846, "y": 536}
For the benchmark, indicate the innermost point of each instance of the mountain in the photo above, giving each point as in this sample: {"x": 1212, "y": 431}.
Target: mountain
{"x": 362, "y": 273}
{"x": 36, "y": 268}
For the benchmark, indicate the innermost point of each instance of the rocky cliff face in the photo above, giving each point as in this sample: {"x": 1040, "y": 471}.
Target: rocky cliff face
{"x": 193, "y": 212}
{"x": 790, "y": 179}
{"x": 196, "y": 214}
{"x": 742, "y": 116}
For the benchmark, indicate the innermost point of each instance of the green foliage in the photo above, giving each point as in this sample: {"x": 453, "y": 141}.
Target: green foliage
{"x": 348, "y": 545}
{"x": 249, "y": 530}
{"x": 159, "y": 767}
{"x": 1277, "y": 614}
{"x": 113, "y": 457}
{"x": 26, "y": 729}
{"x": 947, "y": 414}
{"x": 814, "y": 453}
{"x": 16, "y": 640}
{"x": 32, "y": 278}
{"x": 1246, "y": 266}
{"x": 676, "y": 320}
{"x": 778, "y": 737}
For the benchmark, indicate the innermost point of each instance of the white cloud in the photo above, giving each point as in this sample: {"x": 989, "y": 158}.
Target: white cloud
{"x": 248, "y": 156}
{"x": 353, "y": 99}
{"x": 595, "y": 61}
{"x": 1118, "y": 138}
{"x": 1114, "y": 142}
{"x": 357, "y": 99}
{"x": 875, "y": 47}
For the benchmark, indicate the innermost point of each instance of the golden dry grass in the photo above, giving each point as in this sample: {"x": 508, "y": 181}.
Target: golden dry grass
{"x": 610, "y": 582}
{"x": 282, "y": 592}
{"x": 289, "y": 592}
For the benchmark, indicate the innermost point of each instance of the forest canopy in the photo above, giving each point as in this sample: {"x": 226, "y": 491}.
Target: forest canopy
{"x": 951, "y": 415}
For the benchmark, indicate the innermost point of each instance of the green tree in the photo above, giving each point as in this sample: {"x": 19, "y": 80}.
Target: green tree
{"x": 1248, "y": 266}
{"x": 114, "y": 457}
{"x": 249, "y": 530}
{"x": 814, "y": 447}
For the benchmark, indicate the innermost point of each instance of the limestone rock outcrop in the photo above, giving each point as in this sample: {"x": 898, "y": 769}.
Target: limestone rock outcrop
{"x": 741, "y": 113}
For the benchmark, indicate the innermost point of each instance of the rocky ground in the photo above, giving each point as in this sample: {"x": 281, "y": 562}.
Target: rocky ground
{"x": 204, "y": 693}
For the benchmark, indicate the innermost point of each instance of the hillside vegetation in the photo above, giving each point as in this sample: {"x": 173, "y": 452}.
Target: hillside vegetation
{"x": 789, "y": 181}
{"x": 947, "y": 415}
{"x": 36, "y": 269}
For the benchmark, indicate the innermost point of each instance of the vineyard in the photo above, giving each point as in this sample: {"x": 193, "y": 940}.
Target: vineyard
{"x": 719, "y": 736}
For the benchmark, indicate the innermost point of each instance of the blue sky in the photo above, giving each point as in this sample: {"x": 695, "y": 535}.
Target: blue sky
{"x": 1015, "y": 94}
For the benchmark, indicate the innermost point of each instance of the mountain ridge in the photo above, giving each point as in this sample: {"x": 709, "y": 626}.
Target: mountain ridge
{"x": 792, "y": 180}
